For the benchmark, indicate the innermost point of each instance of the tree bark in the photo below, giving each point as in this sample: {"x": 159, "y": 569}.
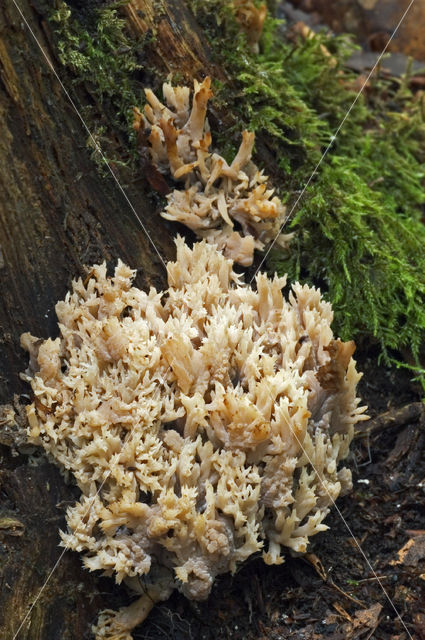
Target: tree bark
{"x": 57, "y": 214}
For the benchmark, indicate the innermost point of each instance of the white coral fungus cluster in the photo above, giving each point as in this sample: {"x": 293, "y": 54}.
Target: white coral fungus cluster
{"x": 202, "y": 425}
{"x": 216, "y": 196}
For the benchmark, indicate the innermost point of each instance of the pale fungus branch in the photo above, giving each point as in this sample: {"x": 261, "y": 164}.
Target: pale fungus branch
{"x": 251, "y": 20}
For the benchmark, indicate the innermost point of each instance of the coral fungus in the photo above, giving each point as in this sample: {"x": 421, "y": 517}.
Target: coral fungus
{"x": 215, "y": 195}
{"x": 202, "y": 425}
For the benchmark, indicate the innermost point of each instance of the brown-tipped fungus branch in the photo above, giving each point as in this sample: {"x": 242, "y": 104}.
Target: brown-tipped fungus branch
{"x": 232, "y": 205}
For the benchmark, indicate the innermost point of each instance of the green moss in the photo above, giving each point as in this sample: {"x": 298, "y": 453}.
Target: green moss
{"x": 359, "y": 230}
{"x": 104, "y": 60}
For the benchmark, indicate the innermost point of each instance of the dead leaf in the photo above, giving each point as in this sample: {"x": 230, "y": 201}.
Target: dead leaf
{"x": 342, "y": 612}
{"x": 331, "y": 375}
{"x": 419, "y": 622}
{"x": 411, "y": 552}
{"x": 367, "y": 617}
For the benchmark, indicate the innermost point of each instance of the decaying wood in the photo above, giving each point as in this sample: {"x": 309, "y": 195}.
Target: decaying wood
{"x": 57, "y": 214}
{"x": 179, "y": 45}
{"x": 31, "y": 514}
{"x": 398, "y": 417}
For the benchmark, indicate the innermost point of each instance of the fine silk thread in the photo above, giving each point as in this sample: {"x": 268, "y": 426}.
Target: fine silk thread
{"x": 97, "y": 147}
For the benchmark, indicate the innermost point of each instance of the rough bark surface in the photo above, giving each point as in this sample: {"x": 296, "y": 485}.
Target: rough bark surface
{"x": 31, "y": 513}
{"x": 57, "y": 214}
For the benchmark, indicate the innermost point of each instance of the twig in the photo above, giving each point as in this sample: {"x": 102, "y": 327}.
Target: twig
{"x": 413, "y": 412}
{"x": 373, "y": 578}
{"x": 331, "y": 583}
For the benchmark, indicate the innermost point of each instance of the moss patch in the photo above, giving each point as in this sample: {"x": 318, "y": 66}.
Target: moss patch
{"x": 359, "y": 229}
{"x": 93, "y": 44}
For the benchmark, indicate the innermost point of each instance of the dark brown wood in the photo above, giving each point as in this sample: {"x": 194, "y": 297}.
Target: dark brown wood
{"x": 57, "y": 214}
{"x": 179, "y": 44}
{"x": 394, "y": 418}
{"x": 32, "y": 511}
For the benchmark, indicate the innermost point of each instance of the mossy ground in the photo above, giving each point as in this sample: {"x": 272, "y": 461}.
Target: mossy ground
{"x": 359, "y": 228}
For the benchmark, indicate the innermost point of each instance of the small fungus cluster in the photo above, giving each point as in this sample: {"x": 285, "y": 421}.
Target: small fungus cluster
{"x": 251, "y": 20}
{"x": 217, "y": 197}
{"x": 203, "y": 424}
